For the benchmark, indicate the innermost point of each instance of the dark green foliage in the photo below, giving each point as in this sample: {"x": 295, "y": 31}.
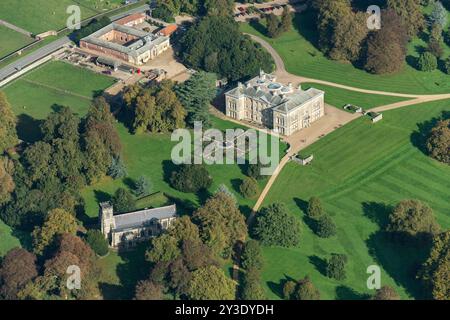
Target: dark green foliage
{"x": 142, "y": 187}
{"x": 251, "y": 257}
{"x": 275, "y": 226}
{"x": 427, "y": 62}
{"x": 447, "y": 66}
{"x": 251, "y": 286}
{"x": 93, "y": 26}
{"x": 123, "y": 201}
{"x": 273, "y": 25}
{"x": 325, "y": 227}
{"x": 117, "y": 169}
{"x": 215, "y": 44}
{"x": 315, "y": 209}
{"x": 438, "y": 142}
{"x": 8, "y": 134}
{"x": 96, "y": 240}
{"x": 191, "y": 178}
{"x": 335, "y": 267}
{"x": 306, "y": 290}
{"x": 249, "y": 188}
{"x": 195, "y": 95}
{"x": 163, "y": 12}
{"x": 254, "y": 170}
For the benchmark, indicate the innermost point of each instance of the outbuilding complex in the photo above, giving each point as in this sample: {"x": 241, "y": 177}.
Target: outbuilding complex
{"x": 126, "y": 43}
{"x": 283, "y": 108}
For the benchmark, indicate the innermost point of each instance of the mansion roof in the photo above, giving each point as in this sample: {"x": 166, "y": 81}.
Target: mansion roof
{"x": 282, "y": 98}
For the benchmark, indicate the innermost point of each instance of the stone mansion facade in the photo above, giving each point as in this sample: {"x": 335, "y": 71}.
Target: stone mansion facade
{"x": 283, "y": 108}
{"x": 126, "y": 229}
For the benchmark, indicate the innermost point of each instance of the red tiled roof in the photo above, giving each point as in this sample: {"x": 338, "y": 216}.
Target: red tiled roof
{"x": 167, "y": 31}
{"x": 130, "y": 18}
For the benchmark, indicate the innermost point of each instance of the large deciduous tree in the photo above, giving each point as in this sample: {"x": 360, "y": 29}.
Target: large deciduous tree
{"x": 18, "y": 267}
{"x": 275, "y": 226}
{"x": 8, "y": 134}
{"x": 438, "y": 142}
{"x": 410, "y": 12}
{"x": 6, "y": 179}
{"x": 211, "y": 283}
{"x": 221, "y": 223}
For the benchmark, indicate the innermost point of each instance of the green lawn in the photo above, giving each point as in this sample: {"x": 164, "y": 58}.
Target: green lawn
{"x": 56, "y": 83}
{"x": 357, "y": 171}
{"x": 39, "y": 16}
{"x": 340, "y": 97}
{"x": 11, "y": 41}
{"x": 301, "y": 56}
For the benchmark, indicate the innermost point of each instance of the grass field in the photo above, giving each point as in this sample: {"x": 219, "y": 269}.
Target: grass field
{"x": 39, "y": 92}
{"x": 340, "y": 97}
{"x": 11, "y": 41}
{"x": 38, "y": 16}
{"x": 298, "y": 49}
{"x": 358, "y": 172}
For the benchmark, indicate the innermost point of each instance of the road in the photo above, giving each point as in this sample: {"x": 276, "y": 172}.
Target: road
{"x": 333, "y": 119}
{"x": 40, "y": 53}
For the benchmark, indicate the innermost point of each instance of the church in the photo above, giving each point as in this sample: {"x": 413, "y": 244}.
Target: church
{"x": 125, "y": 230}
{"x": 282, "y": 108}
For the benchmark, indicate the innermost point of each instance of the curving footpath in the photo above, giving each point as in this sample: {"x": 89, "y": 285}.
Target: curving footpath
{"x": 333, "y": 119}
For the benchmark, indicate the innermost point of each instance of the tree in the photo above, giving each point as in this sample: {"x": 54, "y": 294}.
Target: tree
{"x": 215, "y": 44}
{"x": 117, "y": 169}
{"x": 335, "y": 267}
{"x": 18, "y": 267}
{"x": 8, "y": 132}
{"x": 249, "y": 188}
{"x": 447, "y": 66}
{"x": 413, "y": 218}
{"x": 191, "y": 178}
{"x": 325, "y": 227}
{"x": 434, "y": 47}
{"x": 163, "y": 249}
{"x": 439, "y": 14}
{"x": 251, "y": 286}
{"x": 315, "y": 209}
{"x": 96, "y": 240}
{"x": 58, "y": 221}
{"x": 163, "y": 12}
{"x": 195, "y": 94}
{"x": 142, "y": 187}
{"x": 148, "y": 290}
{"x": 386, "y": 293}
{"x": 438, "y": 142}
{"x": 254, "y": 170}
{"x": 221, "y": 224}
{"x": 335, "y": 21}
{"x": 273, "y": 25}
{"x": 386, "y": 48}
{"x": 410, "y": 11}
{"x": 289, "y": 288}
{"x": 210, "y": 283}
{"x": 6, "y": 179}
{"x": 427, "y": 62}
{"x": 123, "y": 201}
{"x": 286, "y": 19}
{"x": 306, "y": 290}
{"x": 251, "y": 257}
{"x": 275, "y": 226}
{"x": 435, "y": 272}
{"x": 221, "y": 8}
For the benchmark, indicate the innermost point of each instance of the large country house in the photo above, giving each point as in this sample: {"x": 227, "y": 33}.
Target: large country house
{"x": 283, "y": 108}
{"x": 126, "y": 229}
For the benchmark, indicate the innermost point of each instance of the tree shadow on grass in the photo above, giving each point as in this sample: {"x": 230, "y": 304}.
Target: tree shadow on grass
{"x": 347, "y": 293}
{"x": 28, "y": 128}
{"x": 377, "y": 212}
{"x": 304, "y": 24}
{"x": 133, "y": 269}
{"x": 235, "y": 184}
{"x": 319, "y": 263}
{"x": 276, "y": 288}
{"x": 168, "y": 167}
{"x": 258, "y": 26}
{"x": 419, "y": 137}
{"x": 412, "y": 61}
{"x": 401, "y": 260}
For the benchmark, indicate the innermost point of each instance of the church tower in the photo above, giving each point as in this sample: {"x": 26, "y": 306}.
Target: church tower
{"x": 106, "y": 217}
